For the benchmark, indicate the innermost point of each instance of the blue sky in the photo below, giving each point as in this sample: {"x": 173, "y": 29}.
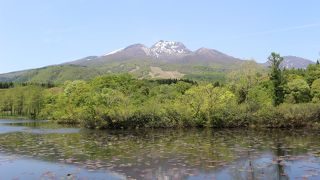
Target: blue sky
{"x": 35, "y": 33}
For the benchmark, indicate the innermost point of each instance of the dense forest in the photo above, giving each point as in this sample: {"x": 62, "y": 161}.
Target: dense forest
{"x": 251, "y": 97}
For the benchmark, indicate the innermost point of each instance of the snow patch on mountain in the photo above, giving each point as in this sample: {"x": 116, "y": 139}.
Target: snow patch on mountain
{"x": 146, "y": 50}
{"x": 168, "y": 48}
{"x": 89, "y": 58}
{"x": 113, "y": 52}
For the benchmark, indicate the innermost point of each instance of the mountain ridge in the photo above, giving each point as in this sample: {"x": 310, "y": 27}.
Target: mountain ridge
{"x": 157, "y": 61}
{"x": 164, "y": 51}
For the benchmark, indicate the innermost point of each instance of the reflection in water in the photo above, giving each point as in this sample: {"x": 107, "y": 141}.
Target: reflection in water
{"x": 15, "y": 167}
{"x": 168, "y": 154}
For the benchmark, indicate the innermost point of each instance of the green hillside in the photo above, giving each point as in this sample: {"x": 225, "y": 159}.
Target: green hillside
{"x": 140, "y": 68}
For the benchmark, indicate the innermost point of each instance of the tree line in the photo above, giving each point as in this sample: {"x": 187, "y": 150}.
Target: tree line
{"x": 7, "y": 85}
{"x": 251, "y": 96}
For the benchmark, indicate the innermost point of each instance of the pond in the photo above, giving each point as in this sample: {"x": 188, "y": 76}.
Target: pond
{"x": 42, "y": 150}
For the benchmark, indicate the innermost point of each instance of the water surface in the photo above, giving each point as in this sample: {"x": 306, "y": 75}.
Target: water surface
{"x": 42, "y": 150}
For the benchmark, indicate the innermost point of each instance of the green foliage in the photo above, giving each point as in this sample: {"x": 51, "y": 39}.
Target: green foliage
{"x": 290, "y": 74}
{"x": 242, "y": 80}
{"x": 259, "y": 97}
{"x": 312, "y": 73}
{"x": 315, "y": 91}
{"x": 276, "y": 77}
{"x": 289, "y": 115}
{"x": 297, "y": 91}
{"x": 207, "y": 77}
{"x": 206, "y": 102}
{"x": 6, "y": 85}
{"x": 22, "y": 101}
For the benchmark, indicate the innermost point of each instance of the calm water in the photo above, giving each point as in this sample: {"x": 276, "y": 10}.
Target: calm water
{"x": 41, "y": 150}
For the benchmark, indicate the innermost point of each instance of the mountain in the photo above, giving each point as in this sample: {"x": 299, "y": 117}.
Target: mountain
{"x": 82, "y": 60}
{"x": 211, "y": 56}
{"x": 295, "y": 62}
{"x": 164, "y": 59}
{"x": 290, "y": 62}
{"x": 162, "y": 51}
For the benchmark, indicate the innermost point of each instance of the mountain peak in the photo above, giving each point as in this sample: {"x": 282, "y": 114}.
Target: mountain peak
{"x": 137, "y": 50}
{"x": 295, "y": 62}
{"x": 135, "y": 46}
{"x": 209, "y": 52}
{"x": 169, "y": 48}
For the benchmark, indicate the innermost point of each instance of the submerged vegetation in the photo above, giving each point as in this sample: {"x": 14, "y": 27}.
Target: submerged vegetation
{"x": 251, "y": 96}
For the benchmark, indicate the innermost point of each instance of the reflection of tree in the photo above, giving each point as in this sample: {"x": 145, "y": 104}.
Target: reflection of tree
{"x": 279, "y": 154}
{"x": 161, "y": 154}
{"x": 251, "y": 167}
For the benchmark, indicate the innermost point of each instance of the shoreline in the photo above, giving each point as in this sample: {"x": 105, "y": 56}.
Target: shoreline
{"x": 311, "y": 126}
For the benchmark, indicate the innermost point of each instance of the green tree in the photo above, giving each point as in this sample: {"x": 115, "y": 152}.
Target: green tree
{"x": 315, "y": 91}
{"x": 297, "y": 91}
{"x": 276, "y": 77}
{"x": 259, "y": 97}
{"x": 19, "y": 99}
{"x": 247, "y": 76}
{"x": 206, "y": 101}
{"x": 33, "y": 101}
{"x": 312, "y": 73}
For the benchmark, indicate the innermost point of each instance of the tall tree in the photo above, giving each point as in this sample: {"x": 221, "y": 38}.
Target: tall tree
{"x": 276, "y": 77}
{"x": 243, "y": 79}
